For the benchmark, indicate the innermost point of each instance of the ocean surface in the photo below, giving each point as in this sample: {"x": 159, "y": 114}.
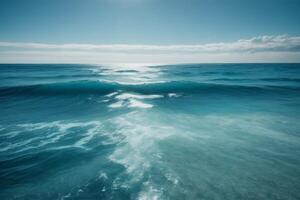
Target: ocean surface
{"x": 198, "y": 131}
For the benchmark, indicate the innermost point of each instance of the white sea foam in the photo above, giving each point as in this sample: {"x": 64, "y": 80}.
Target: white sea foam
{"x": 89, "y": 135}
{"x": 95, "y": 70}
{"x": 173, "y": 95}
{"x": 132, "y": 81}
{"x": 66, "y": 196}
{"x": 138, "y": 146}
{"x": 55, "y": 131}
{"x": 117, "y": 104}
{"x": 130, "y": 100}
{"x": 125, "y": 96}
{"x": 41, "y": 125}
{"x": 111, "y": 94}
{"x": 138, "y": 104}
{"x": 36, "y": 126}
{"x": 171, "y": 177}
{"x": 10, "y": 146}
{"x": 10, "y": 134}
{"x": 103, "y": 101}
{"x": 150, "y": 193}
{"x": 103, "y": 175}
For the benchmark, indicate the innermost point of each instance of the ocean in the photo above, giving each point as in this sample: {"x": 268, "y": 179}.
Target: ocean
{"x": 193, "y": 131}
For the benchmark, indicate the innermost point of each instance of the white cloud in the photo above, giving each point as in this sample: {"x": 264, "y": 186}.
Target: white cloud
{"x": 258, "y": 49}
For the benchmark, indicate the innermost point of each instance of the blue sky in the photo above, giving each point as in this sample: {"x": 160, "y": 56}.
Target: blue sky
{"x": 144, "y": 22}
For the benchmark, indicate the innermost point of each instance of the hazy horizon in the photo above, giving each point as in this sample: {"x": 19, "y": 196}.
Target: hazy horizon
{"x": 149, "y": 31}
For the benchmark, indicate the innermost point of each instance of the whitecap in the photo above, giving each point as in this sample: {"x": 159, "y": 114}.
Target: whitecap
{"x": 111, "y": 94}
{"x": 130, "y": 100}
{"x": 173, "y": 95}
{"x": 103, "y": 175}
{"x": 104, "y": 101}
{"x": 132, "y": 82}
{"x": 138, "y": 104}
{"x": 125, "y": 96}
{"x": 116, "y": 104}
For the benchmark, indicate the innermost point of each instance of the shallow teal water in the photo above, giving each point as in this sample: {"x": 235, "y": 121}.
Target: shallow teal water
{"x": 201, "y": 131}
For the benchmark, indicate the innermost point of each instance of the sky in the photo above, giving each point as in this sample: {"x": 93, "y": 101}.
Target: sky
{"x": 149, "y": 31}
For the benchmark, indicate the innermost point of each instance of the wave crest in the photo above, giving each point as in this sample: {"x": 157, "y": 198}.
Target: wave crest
{"x": 104, "y": 88}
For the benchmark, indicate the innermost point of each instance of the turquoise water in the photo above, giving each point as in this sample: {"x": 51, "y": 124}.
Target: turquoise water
{"x": 201, "y": 131}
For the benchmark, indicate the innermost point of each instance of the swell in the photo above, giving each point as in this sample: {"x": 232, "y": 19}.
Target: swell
{"x": 297, "y": 80}
{"x": 53, "y": 76}
{"x": 102, "y": 88}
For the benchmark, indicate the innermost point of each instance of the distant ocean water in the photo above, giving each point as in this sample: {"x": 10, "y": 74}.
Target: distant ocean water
{"x": 199, "y": 131}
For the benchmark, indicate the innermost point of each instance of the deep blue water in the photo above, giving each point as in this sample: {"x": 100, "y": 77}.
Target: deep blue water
{"x": 201, "y": 131}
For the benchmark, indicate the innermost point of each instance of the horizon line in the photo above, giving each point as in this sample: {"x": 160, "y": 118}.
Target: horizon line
{"x": 260, "y": 49}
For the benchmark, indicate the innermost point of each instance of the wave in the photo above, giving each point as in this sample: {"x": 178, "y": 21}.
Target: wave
{"x": 127, "y": 71}
{"x": 54, "y": 132}
{"x": 131, "y": 100}
{"x": 104, "y": 88}
{"x": 259, "y": 79}
{"x": 41, "y": 77}
{"x": 282, "y": 79}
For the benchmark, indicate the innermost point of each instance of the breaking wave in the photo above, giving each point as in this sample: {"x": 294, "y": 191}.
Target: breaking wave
{"x": 104, "y": 88}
